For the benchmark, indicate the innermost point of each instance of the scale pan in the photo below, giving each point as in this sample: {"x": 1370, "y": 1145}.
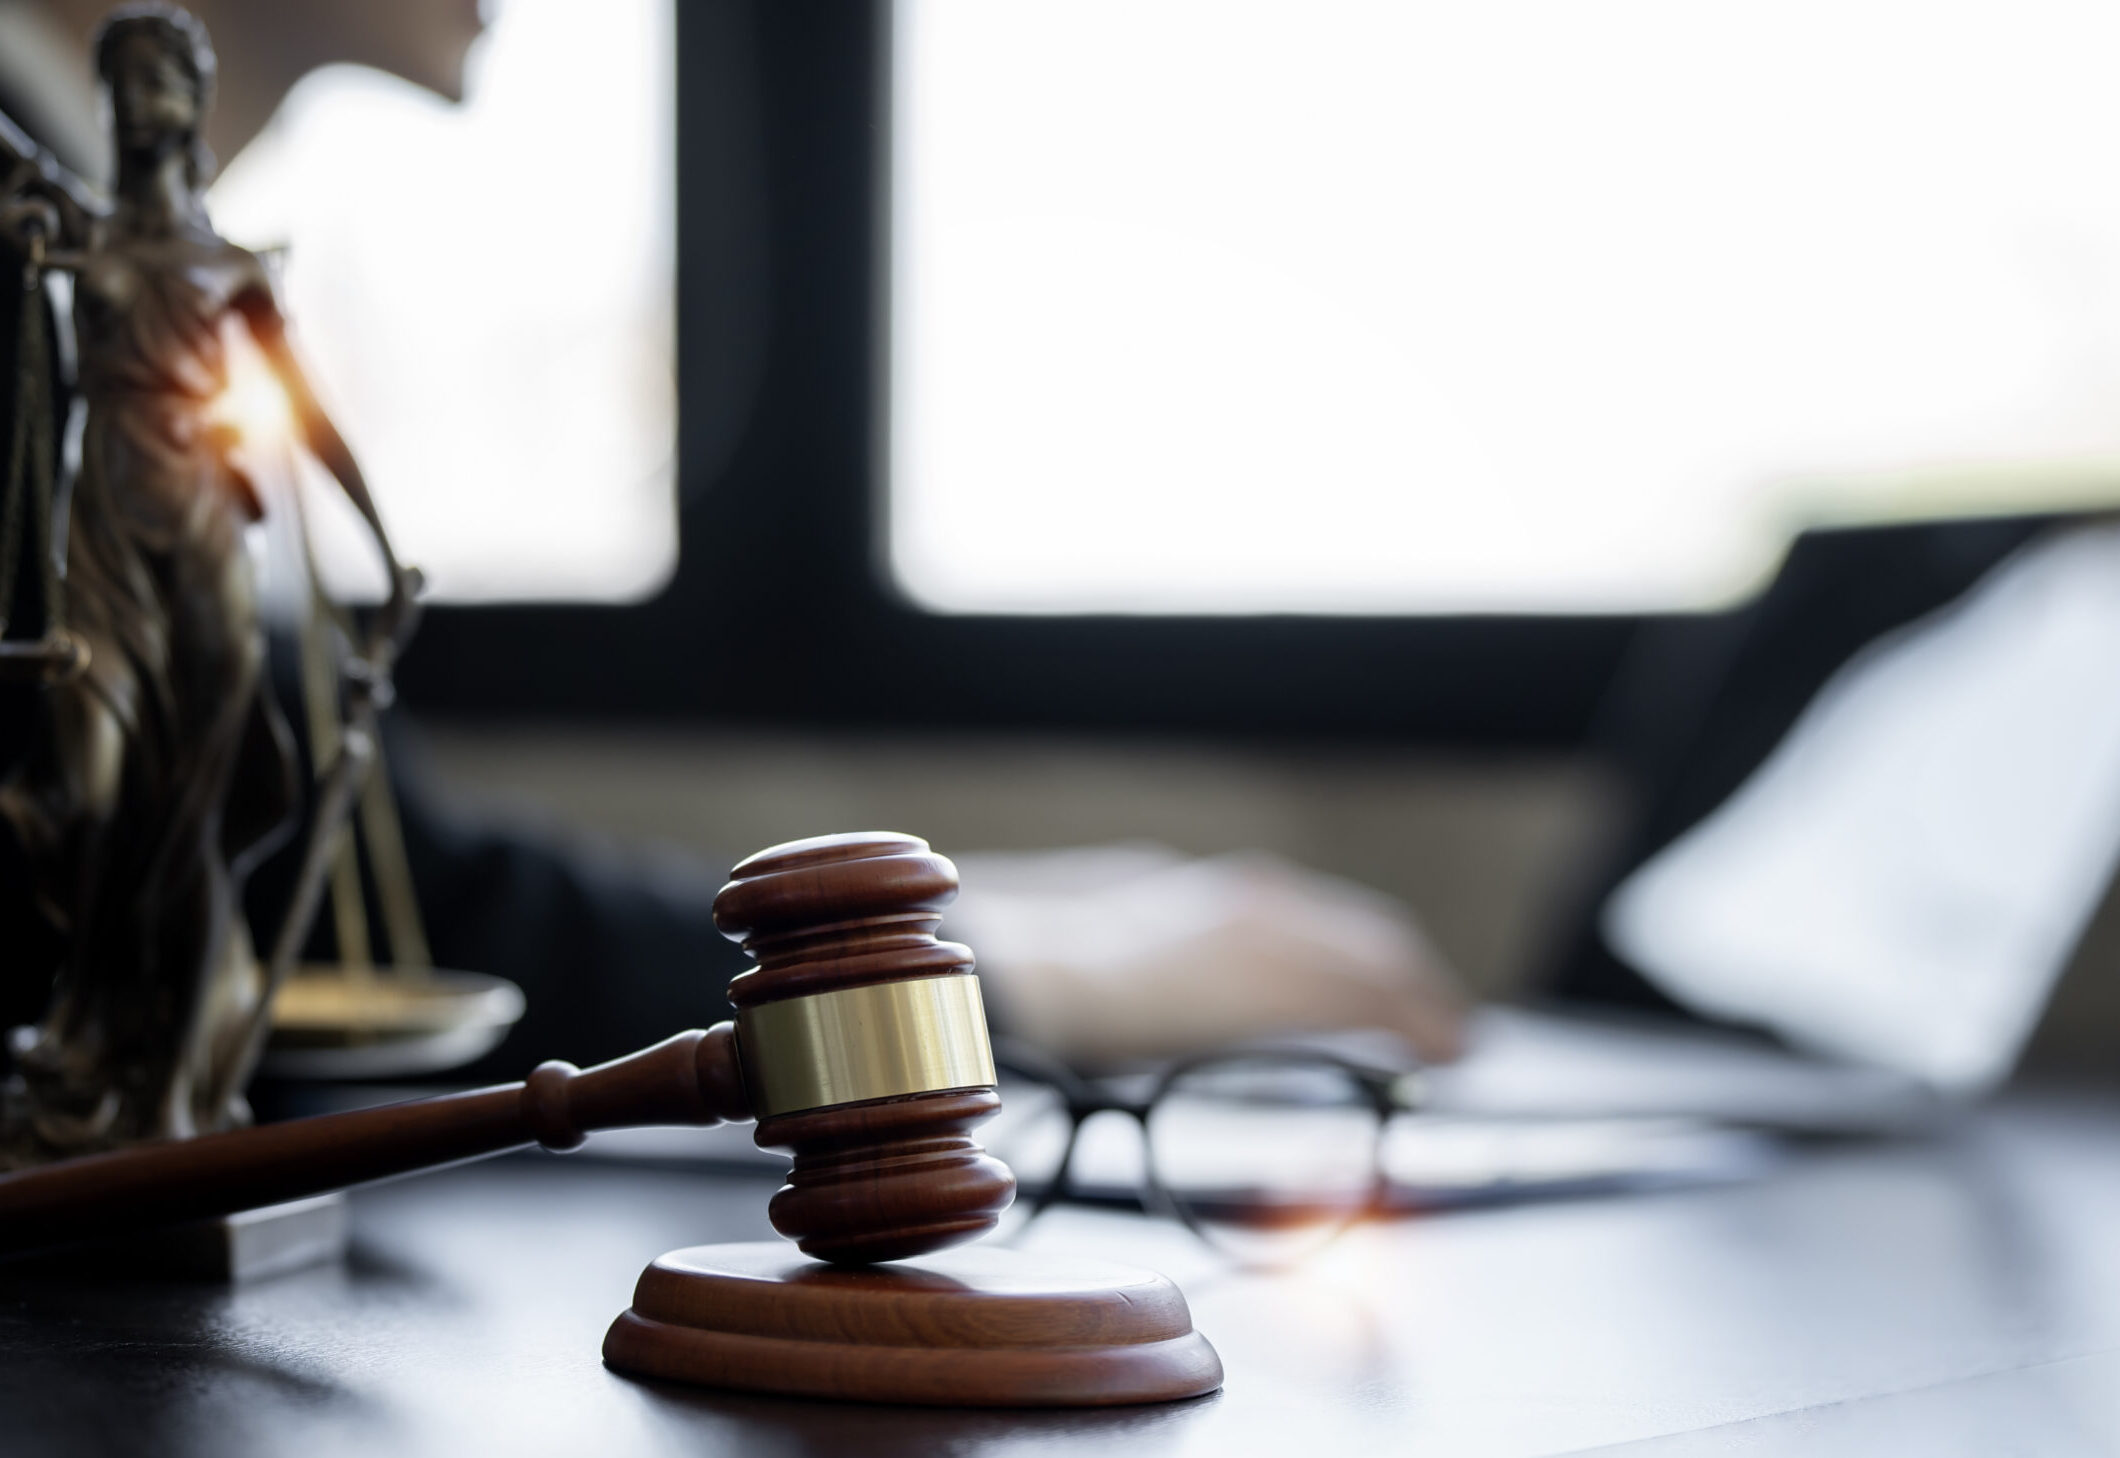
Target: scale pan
{"x": 328, "y": 1023}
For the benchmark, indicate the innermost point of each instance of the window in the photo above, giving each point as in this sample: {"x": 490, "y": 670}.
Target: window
{"x": 485, "y": 294}
{"x": 782, "y": 611}
{"x": 1362, "y": 306}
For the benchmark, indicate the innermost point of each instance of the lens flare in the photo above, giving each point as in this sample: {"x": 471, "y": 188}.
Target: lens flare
{"x": 253, "y": 407}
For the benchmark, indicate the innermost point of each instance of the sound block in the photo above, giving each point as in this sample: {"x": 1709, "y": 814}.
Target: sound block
{"x": 975, "y": 1327}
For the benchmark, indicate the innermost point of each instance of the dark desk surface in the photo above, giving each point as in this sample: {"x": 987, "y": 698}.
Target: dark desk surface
{"x": 1954, "y": 1296}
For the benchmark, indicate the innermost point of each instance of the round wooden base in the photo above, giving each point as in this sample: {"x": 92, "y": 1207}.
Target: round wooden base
{"x": 976, "y": 1327}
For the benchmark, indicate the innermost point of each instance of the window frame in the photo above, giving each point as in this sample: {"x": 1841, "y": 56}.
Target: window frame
{"x": 781, "y": 610}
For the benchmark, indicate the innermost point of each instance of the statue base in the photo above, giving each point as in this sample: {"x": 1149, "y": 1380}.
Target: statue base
{"x": 254, "y": 1244}
{"x": 233, "y": 1250}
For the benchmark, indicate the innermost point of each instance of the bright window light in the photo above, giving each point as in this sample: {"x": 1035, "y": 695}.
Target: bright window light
{"x": 1521, "y": 305}
{"x": 485, "y": 294}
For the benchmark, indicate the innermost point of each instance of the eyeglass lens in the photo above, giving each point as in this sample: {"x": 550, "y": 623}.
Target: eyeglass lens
{"x": 1267, "y": 1157}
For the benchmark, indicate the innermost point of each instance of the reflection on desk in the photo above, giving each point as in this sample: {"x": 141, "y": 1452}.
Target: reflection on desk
{"x": 1954, "y": 1295}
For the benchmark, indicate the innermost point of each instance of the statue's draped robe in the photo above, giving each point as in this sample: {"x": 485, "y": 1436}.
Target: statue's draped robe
{"x": 163, "y": 772}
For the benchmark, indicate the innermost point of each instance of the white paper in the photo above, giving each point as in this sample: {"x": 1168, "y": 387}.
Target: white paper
{"x": 1904, "y": 878}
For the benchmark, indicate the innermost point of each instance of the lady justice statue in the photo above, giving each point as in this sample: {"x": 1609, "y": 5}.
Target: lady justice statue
{"x": 158, "y": 769}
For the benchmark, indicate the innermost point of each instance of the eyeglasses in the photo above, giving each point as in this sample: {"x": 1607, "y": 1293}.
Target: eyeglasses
{"x": 1266, "y": 1153}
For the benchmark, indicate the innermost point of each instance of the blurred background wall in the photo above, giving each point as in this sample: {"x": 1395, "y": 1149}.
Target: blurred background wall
{"x": 1485, "y": 848}
{"x": 1491, "y": 850}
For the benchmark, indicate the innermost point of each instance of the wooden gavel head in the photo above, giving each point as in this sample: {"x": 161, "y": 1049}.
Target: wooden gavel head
{"x": 864, "y": 1046}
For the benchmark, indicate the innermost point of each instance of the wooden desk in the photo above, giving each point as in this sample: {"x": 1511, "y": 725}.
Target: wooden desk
{"x": 1957, "y": 1296}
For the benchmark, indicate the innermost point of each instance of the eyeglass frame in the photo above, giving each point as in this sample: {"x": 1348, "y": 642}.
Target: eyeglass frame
{"x": 1387, "y": 1091}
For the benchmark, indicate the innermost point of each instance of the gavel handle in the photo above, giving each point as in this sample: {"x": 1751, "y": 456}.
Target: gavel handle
{"x": 693, "y": 1078}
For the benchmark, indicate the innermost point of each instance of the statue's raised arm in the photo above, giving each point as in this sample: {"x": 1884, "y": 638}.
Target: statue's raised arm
{"x": 30, "y": 174}
{"x": 260, "y": 310}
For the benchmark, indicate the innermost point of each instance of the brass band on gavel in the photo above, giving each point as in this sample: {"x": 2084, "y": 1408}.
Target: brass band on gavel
{"x": 882, "y": 1040}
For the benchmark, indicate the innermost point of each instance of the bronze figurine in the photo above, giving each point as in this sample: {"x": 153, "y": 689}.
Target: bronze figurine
{"x": 161, "y": 771}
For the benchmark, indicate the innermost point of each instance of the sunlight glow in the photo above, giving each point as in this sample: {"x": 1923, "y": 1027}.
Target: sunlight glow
{"x": 254, "y": 405}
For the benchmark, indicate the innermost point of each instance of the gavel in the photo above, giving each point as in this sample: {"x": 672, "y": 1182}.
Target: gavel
{"x": 859, "y": 1045}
